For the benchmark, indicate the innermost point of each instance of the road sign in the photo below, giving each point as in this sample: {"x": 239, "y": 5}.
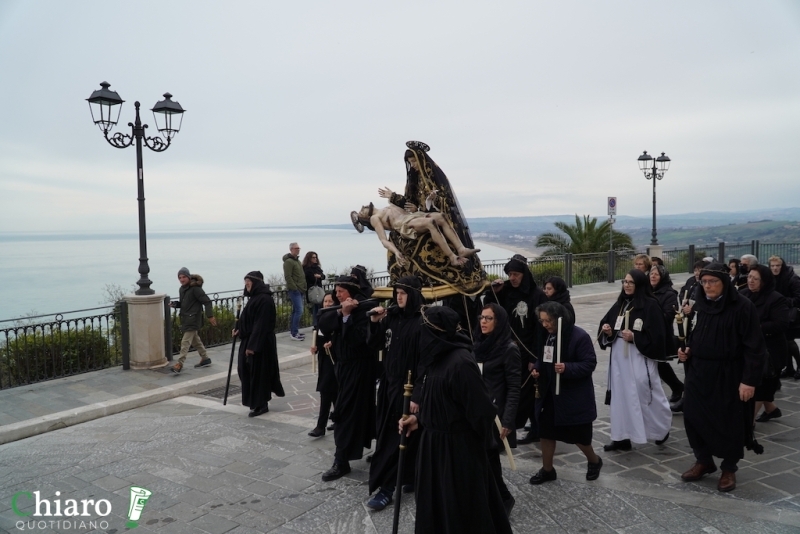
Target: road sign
{"x": 612, "y": 206}
{"x": 612, "y": 220}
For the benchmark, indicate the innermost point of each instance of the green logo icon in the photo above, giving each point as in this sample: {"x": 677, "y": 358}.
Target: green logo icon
{"x": 139, "y": 497}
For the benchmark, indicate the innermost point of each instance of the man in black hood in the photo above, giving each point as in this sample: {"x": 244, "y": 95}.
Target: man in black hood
{"x": 787, "y": 283}
{"x": 724, "y": 357}
{"x": 519, "y": 296}
{"x": 395, "y": 330}
{"x": 455, "y": 489}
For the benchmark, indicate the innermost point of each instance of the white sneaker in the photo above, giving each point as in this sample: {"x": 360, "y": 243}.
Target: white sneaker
{"x": 298, "y": 337}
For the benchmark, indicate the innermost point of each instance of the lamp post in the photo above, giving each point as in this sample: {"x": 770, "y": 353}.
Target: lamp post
{"x": 102, "y": 104}
{"x": 656, "y": 172}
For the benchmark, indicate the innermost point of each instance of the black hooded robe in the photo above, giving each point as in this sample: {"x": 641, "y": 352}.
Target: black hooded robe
{"x": 355, "y": 371}
{"x": 455, "y": 489}
{"x": 259, "y": 373}
{"x": 398, "y": 336}
{"x": 726, "y": 349}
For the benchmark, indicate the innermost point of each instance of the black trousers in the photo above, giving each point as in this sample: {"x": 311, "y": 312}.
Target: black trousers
{"x": 794, "y": 352}
{"x": 325, "y": 403}
{"x": 667, "y": 374}
{"x": 497, "y": 472}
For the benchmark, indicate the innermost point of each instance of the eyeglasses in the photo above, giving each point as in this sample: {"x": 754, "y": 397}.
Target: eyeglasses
{"x": 487, "y": 318}
{"x": 627, "y": 282}
{"x": 710, "y": 282}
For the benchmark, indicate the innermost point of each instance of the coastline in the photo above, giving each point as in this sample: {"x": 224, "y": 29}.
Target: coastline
{"x": 528, "y": 253}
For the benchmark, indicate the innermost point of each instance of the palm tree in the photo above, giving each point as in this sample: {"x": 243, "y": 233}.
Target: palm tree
{"x": 585, "y": 236}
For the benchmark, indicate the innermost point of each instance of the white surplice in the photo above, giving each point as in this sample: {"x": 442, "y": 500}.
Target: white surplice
{"x": 639, "y": 408}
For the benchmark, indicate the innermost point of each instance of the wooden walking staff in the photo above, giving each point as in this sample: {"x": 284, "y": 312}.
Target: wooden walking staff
{"x": 398, "y": 488}
{"x": 558, "y": 356}
{"x": 233, "y": 349}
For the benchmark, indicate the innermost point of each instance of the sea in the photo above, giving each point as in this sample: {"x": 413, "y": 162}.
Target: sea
{"x": 56, "y": 272}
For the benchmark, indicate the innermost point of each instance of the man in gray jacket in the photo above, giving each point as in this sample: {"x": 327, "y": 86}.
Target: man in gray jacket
{"x": 295, "y": 287}
{"x": 192, "y": 301}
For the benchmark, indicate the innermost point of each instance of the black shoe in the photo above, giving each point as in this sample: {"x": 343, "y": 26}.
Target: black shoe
{"x": 543, "y": 476}
{"x": 317, "y": 432}
{"x": 203, "y": 363}
{"x": 787, "y": 372}
{"x": 766, "y": 416}
{"x": 258, "y": 411}
{"x": 676, "y": 396}
{"x": 778, "y": 387}
{"x": 624, "y": 445}
{"x": 527, "y": 428}
{"x": 676, "y": 407}
{"x": 331, "y": 426}
{"x": 531, "y": 437}
{"x": 593, "y": 470}
{"x": 662, "y": 441}
{"x": 337, "y": 471}
{"x": 508, "y": 504}
{"x": 408, "y": 488}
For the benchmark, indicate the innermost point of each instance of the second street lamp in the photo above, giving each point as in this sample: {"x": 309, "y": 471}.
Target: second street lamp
{"x": 660, "y": 166}
{"x": 102, "y": 104}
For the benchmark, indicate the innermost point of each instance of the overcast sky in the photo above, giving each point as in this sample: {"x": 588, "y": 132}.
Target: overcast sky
{"x": 298, "y": 111}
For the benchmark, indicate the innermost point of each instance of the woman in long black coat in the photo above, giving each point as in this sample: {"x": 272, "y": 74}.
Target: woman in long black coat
{"x": 567, "y": 416}
{"x": 312, "y": 269}
{"x": 258, "y": 350}
{"x": 667, "y": 299}
{"x": 498, "y": 359}
{"x": 773, "y": 314}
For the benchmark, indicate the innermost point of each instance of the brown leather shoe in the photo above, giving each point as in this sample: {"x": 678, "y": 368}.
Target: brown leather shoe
{"x": 698, "y": 471}
{"x": 727, "y": 481}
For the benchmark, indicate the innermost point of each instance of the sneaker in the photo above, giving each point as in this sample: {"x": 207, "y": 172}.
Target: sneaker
{"x": 381, "y": 499}
{"x": 205, "y": 362}
{"x": 297, "y": 337}
{"x": 177, "y": 368}
{"x": 593, "y": 470}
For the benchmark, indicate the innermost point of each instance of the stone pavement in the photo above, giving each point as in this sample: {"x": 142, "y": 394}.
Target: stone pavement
{"x": 212, "y": 469}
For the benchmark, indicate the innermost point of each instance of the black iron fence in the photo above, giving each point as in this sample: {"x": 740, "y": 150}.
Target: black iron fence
{"x": 33, "y": 351}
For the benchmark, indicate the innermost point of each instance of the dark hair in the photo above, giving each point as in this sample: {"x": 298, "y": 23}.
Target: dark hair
{"x": 699, "y": 264}
{"x": 655, "y": 260}
{"x": 307, "y": 259}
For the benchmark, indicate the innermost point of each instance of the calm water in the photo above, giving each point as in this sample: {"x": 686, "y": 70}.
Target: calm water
{"x": 49, "y": 273}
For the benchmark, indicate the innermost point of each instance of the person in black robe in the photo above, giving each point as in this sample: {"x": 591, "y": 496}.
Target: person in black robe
{"x": 667, "y": 299}
{"x": 327, "y": 386}
{"x": 395, "y": 330}
{"x": 519, "y": 296}
{"x": 568, "y": 416}
{"x": 773, "y": 314}
{"x": 555, "y": 289}
{"x": 455, "y": 489}
{"x": 355, "y": 370}
{"x": 498, "y": 358}
{"x": 724, "y": 357}
{"x": 258, "y": 351}
{"x": 787, "y": 283}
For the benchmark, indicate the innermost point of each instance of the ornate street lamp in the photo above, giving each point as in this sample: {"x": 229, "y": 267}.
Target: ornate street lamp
{"x": 660, "y": 165}
{"x": 102, "y": 106}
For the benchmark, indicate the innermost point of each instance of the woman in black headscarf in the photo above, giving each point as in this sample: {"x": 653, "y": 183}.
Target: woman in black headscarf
{"x": 498, "y": 359}
{"x": 455, "y": 489}
{"x": 569, "y": 415}
{"x": 773, "y": 314}
{"x": 634, "y": 329}
{"x": 555, "y": 288}
{"x": 258, "y": 351}
{"x": 667, "y": 299}
{"x": 395, "y": 331}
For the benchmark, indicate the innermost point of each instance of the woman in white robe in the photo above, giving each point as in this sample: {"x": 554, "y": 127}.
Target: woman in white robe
{"x": 634, "y": 329}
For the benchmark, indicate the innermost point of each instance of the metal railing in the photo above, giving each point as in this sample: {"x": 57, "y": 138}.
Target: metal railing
{"x": 33, "y": 351}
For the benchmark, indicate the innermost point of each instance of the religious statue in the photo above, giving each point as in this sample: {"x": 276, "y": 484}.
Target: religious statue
{"x": 428, "y": 234}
